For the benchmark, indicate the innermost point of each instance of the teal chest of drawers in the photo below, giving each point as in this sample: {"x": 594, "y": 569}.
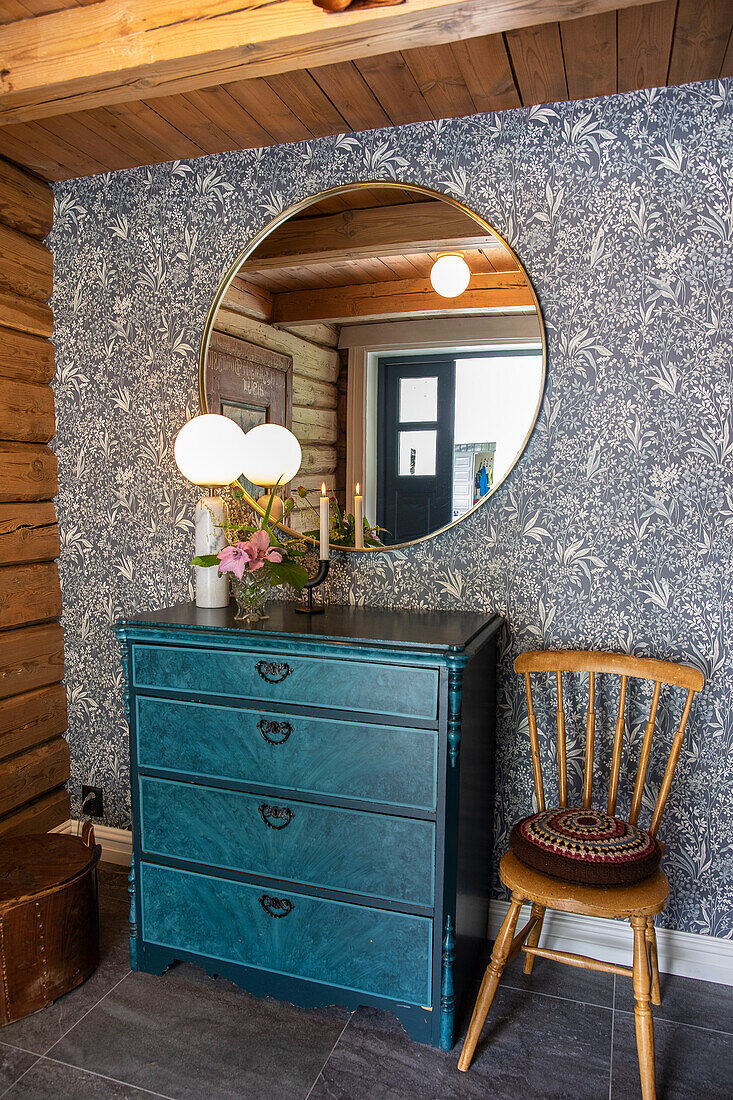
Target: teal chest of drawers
{"x": 312, "y": 803}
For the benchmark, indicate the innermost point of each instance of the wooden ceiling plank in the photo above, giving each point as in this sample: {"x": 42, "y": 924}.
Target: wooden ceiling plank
{"x": 21, "y": 152}
{"x": 273, "y": 281}
{"x": 391, "y": 196}
{"x": 394, "y": 87}
{"x": 345, "y": 86}
{"x": 11, "y": 11}
{"x": 124, "y": 134}
{"x": 484, "y": 63}
{"x": 308, "y": 103}
{"x": 726, "y": 69}
{"x": 332, "y": 205}
{"x": 370, "y": 270}
{"x": 230, "y": 117}
{"x": 117, "y": 50}
{"x": 46, "y": 7}
{"x": 265, "y": 106}
{"x": 590, "y": 54}
{"x": 502, "y": 260}
{"x": 401, "y": 267}
{"x": 374, "y": 231}
{"x": 188, "y": 118}
{"x": 89, "y": 144}
{"x": 701, "y": 36}
{"x": 536, "y": 54}
{"x": 46, "y": 144}
{"x": 644, "y": 45}
{"x": 156, "y": 129}
{"x": 105, "y": 139}
{"x": 440, "y": 80}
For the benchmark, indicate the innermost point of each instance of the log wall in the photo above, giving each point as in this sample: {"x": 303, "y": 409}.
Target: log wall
{"x": 34, "y": 757}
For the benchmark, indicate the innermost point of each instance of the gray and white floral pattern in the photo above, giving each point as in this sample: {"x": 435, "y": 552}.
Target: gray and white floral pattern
{"x": 614, "y": 531}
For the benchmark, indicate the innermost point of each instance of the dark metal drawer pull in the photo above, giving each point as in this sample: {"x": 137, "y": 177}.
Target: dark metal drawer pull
{"x": 276, "y": 812}
{"x": 273, "y": 671}
{"x": 269, "y": 903}
{"x": 282, "y": 731}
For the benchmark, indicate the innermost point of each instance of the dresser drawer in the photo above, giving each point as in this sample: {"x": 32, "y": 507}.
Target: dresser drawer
{"x": 389, "y": 764}
{"x": 352, "y": 946}
{"x": 400, "y": 690}
{"x": 363, "y": 853}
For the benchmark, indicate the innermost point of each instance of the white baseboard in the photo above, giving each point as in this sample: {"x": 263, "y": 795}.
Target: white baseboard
{"x": 116, "y": 843}
{"x": 686, "y": 954}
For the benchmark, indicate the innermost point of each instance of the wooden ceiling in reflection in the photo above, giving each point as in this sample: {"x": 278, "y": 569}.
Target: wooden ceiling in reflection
{"x": 370, "y": 235}
{"x": 666, "y": 42}
{"x": 366, "y": 255}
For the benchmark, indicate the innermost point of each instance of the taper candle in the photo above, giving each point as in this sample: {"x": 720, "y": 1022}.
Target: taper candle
{"x": 324, "y": 552}
{"x": 358, "y": 519}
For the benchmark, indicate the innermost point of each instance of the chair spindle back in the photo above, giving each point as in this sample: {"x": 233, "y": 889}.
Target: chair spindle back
{"x": 625, "y": 666}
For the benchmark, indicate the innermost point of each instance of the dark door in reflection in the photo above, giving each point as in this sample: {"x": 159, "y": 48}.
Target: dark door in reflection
{"x": 415, "y": 426}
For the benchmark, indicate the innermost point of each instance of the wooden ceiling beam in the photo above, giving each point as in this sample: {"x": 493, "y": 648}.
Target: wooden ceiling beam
{"x": 414, "y": 297}
{"x": 123, "y": 50}
{"x": 432, "y": 226}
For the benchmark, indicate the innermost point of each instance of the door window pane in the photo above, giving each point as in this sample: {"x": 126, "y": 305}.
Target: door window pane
{"x": 416, "y": 454}
{"x": 418, "y": 399}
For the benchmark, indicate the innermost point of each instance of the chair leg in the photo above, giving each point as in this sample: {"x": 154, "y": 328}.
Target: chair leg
{"x": 502, "y": 944}
{"x": 642, "y": 1010}
{"x": 651, "y": 939}
{"x": 533, "y": 938}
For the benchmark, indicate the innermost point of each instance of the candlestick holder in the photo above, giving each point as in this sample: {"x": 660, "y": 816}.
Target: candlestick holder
{"x": 309, "y": 608}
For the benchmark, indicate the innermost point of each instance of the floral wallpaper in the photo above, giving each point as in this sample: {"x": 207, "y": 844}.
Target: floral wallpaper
{"x": 615, "y": 529}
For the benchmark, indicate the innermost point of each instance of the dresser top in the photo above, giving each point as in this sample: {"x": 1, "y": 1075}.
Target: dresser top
{"x": 421, "y": 630}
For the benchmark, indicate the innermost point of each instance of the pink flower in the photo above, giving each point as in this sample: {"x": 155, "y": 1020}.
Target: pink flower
{"x": 249, "y": 556}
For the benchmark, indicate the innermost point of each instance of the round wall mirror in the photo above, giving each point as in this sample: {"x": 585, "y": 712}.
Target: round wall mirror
{"x": 399, "y": 338}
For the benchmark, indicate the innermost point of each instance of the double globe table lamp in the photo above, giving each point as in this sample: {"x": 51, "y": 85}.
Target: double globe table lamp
{"x": 212, "y": 451}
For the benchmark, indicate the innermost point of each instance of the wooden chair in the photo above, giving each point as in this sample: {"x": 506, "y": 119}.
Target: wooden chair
{"x": 639, "y": 902}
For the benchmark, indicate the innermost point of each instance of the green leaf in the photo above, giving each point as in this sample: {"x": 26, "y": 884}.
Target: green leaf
{"x": 287, "y": 572}
{"x": 206, "y": 560}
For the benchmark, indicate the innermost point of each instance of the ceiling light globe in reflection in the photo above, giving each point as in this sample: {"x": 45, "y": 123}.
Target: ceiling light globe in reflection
{"x": 450, "y": 275}
{"x": 272, "y": 455}
{"x": 209, "y": 450}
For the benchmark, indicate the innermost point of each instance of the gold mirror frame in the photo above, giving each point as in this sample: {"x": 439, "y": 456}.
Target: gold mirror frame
{"x": 285, "y": 216}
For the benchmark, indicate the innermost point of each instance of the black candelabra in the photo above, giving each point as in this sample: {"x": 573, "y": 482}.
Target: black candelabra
{"x": 308, "y": 607}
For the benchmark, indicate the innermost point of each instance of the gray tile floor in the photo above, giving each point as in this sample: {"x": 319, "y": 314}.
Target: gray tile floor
{"x": 560, "y": 1035}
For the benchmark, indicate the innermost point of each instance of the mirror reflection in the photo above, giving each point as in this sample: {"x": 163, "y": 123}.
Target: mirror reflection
{"x": 400, "y": 340}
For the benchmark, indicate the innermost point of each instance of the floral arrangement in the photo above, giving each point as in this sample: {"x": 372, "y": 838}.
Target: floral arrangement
{"x": 255, "y": 557}
{"x": 250, "y": 555}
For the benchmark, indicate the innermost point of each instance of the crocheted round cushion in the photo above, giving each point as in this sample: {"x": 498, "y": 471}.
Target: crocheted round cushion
{"x": 585, "y": 846}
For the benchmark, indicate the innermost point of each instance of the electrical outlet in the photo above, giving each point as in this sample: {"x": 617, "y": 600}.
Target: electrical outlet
{"x": 91, "y": 801}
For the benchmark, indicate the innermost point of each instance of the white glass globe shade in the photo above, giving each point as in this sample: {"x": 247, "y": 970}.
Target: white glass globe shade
{"x": 272, "y": 455}
{"x": 209, "y": 450}
{"x": 450, "y": 275}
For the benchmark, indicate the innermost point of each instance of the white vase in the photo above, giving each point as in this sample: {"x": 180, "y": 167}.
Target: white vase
{"x": 211, "y": 589}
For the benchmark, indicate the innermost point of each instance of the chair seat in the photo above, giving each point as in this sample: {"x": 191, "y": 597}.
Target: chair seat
{"x": 646, "y": 898}
{"x": 585, "y": 846}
